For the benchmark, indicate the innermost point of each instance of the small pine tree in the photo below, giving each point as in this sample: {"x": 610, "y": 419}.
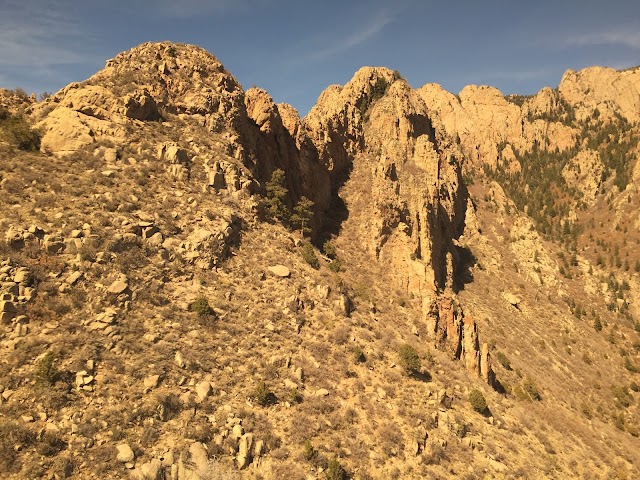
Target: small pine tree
{"x": 597, "y": 324}
{"x": 302, "y": 215}
{"x": 275, "y": 207}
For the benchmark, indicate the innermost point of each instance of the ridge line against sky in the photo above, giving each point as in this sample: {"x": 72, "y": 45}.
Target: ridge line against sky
{"x": 295, "y": 49}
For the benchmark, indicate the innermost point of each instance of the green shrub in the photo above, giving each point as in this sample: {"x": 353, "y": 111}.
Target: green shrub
{"x": 309, "y": 255}
{"x": 18, "y": 133}
{"x": 503, "y": 360}
{"x": 294, "y": 396}
{"x": 477, "y": 401}
{"x": 263, "y": 396}
{"x": 336, "y": 265}
{"x": 358, "y": 354}
{"x": 335, "y": 471}
{"x": 527, "y": 391}
{"x": 329, "y": 249}
{"x": 46, "y": 371}
{"x": 308, "y": 452}
{"x": 409, "y": 358}
{"x": 597, "y": 324}
{"x": 201, "y": 306}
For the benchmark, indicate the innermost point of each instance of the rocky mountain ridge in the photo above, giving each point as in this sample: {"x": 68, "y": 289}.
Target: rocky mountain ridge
{"x": 163, "y": 162}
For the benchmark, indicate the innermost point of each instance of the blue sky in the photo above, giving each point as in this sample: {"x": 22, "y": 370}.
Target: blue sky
{"x": 294, "y": 49}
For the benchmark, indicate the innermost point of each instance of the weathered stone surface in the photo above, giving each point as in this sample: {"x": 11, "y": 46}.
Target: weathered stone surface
{"x": 584, "y": 172}
{"x": 151, "y": 382}
{"x": 279, "y": 271}
{"x": 73, "y": 278}
{"x": 140, "y": 105}
{"x": 203, "y": 389}
{"x": 237, "y": 431}
{"x": 125, "y": 453}
{"x": 179, "y": 360}
{"x": 511, "y": 299}
{"x": 199, "y": 457}
{"x": 21, "y": 275}
{"x": 244, "y": 450}
{"x": 118, "y": 287}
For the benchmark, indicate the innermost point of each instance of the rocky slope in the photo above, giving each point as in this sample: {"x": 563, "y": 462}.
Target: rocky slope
{"x": 154, "y": 325}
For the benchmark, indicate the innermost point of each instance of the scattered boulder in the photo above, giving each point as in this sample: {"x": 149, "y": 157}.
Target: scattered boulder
{"x": 151, "y": 382}
{"x": 279, "y": 271}
{"x": 511, "y": 299}
{"x": 118, "y": 287}
{"x": 244, "y": 450}
{"x": 179, "y": 360}
{"x": 203, "y": 390}
{"x": 125, "y": 453}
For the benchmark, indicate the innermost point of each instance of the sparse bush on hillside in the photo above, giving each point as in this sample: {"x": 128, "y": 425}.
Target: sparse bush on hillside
{"x": 309, "y": 255}
{"x": 336, "y": 265}
{"x": 11, "y": 435}
{"x": 50, "y": 444}
{"x": 587, "y": 411}
{"x": 409, "y": 358}
{"x": 597, "y": 324}
{"x": 165, "y": 406}
{"x": 309, "y": 453}
{"x": 527, "y": 391}
{"x": 477, "y": 401}
{"x": 294, "y": 397}
{"x": 16, "y": 131}
{"x": 335, "y": 471}
{"x": 263, "y": 396}
{"x": 201, "y": 306}
{"x": 329, "y": 249}
{"x": 46, "y": 371}
{"x": 503, "y": 360}
{"x": 622, "y": 397}
{"x": 358, "y": 354}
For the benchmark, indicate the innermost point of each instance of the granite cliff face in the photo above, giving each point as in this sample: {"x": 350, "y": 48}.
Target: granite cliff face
{"x": 376, "y": 132}
{"x": 484, "y": 121}
{"x": 403, "y": 189}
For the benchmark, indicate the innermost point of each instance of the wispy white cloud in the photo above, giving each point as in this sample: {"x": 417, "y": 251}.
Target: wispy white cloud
{"x": 39, "y": 33}
{"x": 367, "y": 31}
{"x": 623, "y": 36}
